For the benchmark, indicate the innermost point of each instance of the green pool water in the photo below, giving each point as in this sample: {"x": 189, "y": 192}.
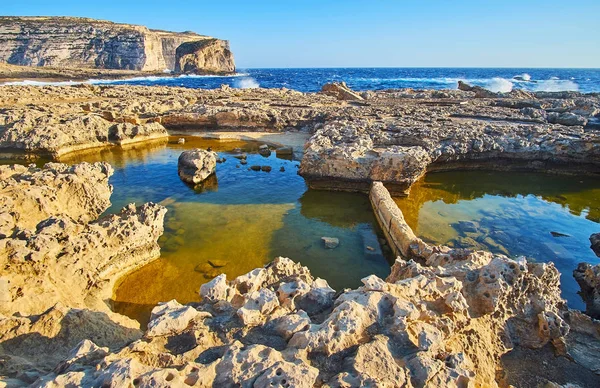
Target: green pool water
{"x": 543, "y": 217}
{"x": 239, "y": 220}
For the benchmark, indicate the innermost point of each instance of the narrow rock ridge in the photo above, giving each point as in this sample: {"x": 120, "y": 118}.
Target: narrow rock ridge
{"x": 90, "y": 43}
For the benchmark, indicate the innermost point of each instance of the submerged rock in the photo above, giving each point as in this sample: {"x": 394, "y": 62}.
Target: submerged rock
{"x": 194, "y": 166}
{"x": 330, "y": 242}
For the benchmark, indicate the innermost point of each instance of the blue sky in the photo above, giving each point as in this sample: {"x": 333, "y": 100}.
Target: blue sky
{"x": 350, "y": 33}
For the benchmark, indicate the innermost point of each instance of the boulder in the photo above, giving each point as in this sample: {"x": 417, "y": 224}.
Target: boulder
{"x": 194, "y": 166}
{"x": 341, "y": 91}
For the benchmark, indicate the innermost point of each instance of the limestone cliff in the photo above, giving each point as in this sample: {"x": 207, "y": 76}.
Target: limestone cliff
{"x": 90, "y": 43}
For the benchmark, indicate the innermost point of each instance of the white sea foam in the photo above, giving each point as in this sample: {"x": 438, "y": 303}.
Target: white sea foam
{"x": 246, "y": 83}
{"x": 556, "y": 85}
{"x": 523, "y": 77}
{"x": 498, "y": 85}
{"x": 112, "y": 81}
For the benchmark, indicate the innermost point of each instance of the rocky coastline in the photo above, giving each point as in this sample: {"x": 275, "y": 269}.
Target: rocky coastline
{"x": 444, "y": 317}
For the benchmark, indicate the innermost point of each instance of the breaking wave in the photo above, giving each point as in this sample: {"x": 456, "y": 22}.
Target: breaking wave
{"x": 555, "y": 84}
{"x": 498, "y": 85}
{"x": 246, "y": 83}
{"x": 93, "y": 81}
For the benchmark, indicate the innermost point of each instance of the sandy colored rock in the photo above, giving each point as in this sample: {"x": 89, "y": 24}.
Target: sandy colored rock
{"x": 194, "y": 166}
{"x": 204, "y": 56}
{"x": 89, "y": 43}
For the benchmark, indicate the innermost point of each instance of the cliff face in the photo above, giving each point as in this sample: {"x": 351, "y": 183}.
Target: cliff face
{"x": 90, "y": 43}
{"x": 212, "y": 55}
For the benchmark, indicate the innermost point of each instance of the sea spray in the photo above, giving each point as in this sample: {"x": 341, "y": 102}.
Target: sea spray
{"x": 246, "y": 83}
{"x": 556, "y": 85}
{"x": 498, "y": 85}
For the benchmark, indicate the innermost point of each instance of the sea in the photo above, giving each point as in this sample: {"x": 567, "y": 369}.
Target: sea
{"x": 312, "y": 79}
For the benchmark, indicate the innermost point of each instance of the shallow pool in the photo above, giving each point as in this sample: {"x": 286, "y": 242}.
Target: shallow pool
{"x": 540, "y": 216}
{"x": 238, "y": 220}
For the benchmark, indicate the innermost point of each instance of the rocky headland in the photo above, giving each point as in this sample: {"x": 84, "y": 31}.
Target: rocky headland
{"x": 444, "y": 317}
{"x": 68, "y": 42}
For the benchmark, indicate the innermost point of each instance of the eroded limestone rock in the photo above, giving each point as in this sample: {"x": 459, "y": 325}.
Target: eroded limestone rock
{"x": 588, "y": 277}
{"x": 194, "y": 166}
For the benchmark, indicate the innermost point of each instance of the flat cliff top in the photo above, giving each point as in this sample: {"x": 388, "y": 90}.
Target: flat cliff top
{"x": 70, "y": 20}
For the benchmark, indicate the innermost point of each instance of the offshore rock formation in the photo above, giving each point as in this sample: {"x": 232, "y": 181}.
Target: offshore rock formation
{"x": 194, "y": 166}
{"x": 209, "y": 55}
{"x": 89, "y": 43}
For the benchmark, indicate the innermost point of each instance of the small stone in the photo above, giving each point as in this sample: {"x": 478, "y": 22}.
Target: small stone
{"x": 181, "y": 140}
{"x": 217, "y": 263}
{"x": 266, "y": 168}
{"x": 282, "y": 169}
{"x": 285, "y": 151}
{"x": 255, "y": 168}
{"x": 243, "y": 161}
{"x": 330, "y": 242}
{"x": 203, "y": 268}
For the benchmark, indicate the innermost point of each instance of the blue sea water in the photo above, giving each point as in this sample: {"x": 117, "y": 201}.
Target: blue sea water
{"x": 311, "y": 80}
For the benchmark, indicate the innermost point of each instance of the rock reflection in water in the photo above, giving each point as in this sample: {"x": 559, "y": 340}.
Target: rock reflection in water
{"x": 510, "y": 213}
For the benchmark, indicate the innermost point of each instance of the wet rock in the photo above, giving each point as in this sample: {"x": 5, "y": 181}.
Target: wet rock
{"x": 265, "y": 168}
{"x": 284, "y": 151}
{"x": 282, "y": 169}
{"x": 255, "y": 168}
{"x": 595, "y": 240}
{"x": 468, "y": 226}
{"x": 243, "y": 162}
{"x": 241, "y": 156}
{"x": 194, "y": 166}
{"x": 588, "y": 278}
{"x": 558, "y": 234}
{"x": 330, "y": 242}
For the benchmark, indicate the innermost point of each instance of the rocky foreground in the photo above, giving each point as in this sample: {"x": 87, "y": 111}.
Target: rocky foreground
{"x": 443, "y": 317}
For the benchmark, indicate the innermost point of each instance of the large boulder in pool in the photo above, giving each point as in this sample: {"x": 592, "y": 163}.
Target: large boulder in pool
{"x": 194, "y": 166}
{"x": 588, "y": 277}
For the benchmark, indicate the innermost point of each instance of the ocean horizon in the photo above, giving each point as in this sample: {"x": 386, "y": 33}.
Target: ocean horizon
{"x": 376, "y": 78}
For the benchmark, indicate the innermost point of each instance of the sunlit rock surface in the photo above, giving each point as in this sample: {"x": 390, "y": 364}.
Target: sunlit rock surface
{"x": 89, "y": 43}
